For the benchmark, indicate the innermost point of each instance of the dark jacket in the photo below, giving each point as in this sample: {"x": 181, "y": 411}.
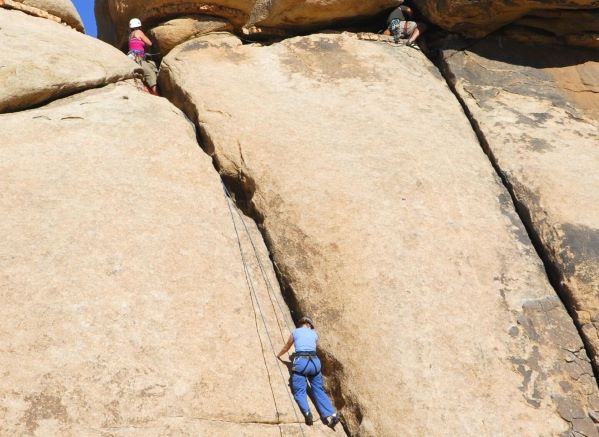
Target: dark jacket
{"x": 400, "y": 13}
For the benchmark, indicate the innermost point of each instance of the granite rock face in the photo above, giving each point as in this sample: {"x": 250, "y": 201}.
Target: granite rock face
{"x": 137, "y": 300}
{"x": 479, "y": 18}
{"x": 300, "y": 14}
{"x": 178, "y": 30}
{"x": 126, "y": 305}
{"x": 43, "y": 60}
{"x": 537, "y": 109}
{"x": 382, "y": 214}
{"x": 137, "y": 317}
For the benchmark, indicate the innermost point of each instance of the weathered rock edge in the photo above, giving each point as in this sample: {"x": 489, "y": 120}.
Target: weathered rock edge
{"x": 72, "y": 20}
{"x": 570, "y": 251}
{"x": 43, "y": 60}
{"x": 476, "y": 19}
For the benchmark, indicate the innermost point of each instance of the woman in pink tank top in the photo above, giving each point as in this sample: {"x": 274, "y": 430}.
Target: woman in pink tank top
{"x": 137, "y": 52}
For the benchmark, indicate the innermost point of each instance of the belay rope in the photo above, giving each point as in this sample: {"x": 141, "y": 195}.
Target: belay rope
{"x": 254, "y": 297}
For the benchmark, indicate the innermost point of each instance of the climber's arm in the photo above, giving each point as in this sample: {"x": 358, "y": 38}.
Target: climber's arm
{"x": 286, "y": 347}
{"x": 145, "y": 39}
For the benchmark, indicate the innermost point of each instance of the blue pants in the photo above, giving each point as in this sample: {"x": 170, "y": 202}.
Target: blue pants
{"x": 308, "y": 369}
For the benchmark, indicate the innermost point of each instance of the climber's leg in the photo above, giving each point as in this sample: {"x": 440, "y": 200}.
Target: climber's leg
{"x": 299, "y": 386}
{"x": 323, "y": 403}
{"x": 419, "y": 29}
{"x": 414, "y": 36}
{"x": 150, "y": 74}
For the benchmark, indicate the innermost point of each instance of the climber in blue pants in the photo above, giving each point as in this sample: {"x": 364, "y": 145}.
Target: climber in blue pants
{"x": 307, "y": 368}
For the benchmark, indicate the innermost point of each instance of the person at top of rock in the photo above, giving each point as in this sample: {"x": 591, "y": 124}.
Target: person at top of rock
{"x": 137, "y": 52}
{"x": 399, "y": 25}
{"x": 306, "y": 367}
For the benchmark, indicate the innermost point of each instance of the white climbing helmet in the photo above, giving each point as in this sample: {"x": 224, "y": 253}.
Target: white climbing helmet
{"x": 134, "y": 23}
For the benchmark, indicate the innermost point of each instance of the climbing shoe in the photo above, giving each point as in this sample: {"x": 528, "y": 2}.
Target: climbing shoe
{"x": 413, "y": 45}
{"x": 333, "y": 421}
{"x": 308, "y": 418}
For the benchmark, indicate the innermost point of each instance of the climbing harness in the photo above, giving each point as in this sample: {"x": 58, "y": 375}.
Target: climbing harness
{"x": 136, "y": 57}
{"x": 254, "y": 298}
{"x": 310, "y": 356}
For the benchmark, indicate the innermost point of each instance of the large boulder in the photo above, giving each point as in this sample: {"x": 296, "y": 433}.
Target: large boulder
{"x": 64, "y": 10}
{"x": 388, "y": 224}
{"x": 43, "y": 60}
{"x": 173, "y": 32}
{"x": 479, "y": 18}
{"x": 125, "y": 303}
{"x": 537, "y": 109}
{"x": 113, "y": 15}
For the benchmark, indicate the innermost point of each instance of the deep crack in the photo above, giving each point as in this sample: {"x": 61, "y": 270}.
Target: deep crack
{"x": 242, "y": 188}
{"x": 552, "y": 271}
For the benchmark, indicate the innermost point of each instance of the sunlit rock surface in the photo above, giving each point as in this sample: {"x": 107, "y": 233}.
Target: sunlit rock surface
{"x": 125, "y": 305}
{"x": 537, "y": 108}
{"x": 389, "y": 225}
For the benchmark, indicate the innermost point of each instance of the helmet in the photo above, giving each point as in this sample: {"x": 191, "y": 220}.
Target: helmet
{"x": 307, "y": 320}
{"x": 134, "y": 23}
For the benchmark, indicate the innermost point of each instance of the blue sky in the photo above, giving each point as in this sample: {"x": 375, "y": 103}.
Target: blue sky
{"x": 86, "y": 10}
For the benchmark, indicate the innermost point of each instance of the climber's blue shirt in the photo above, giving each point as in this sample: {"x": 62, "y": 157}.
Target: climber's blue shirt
{"x": 304, "y": 339}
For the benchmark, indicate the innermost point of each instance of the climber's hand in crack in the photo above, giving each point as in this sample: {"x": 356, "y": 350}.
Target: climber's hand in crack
{"x": 286, "y": 347}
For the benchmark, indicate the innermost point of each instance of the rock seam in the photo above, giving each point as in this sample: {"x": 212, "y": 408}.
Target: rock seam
{"x": 242, "y": 188}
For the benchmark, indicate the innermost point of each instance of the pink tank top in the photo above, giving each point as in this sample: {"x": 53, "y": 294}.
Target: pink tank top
{"x": 138, "y": 46}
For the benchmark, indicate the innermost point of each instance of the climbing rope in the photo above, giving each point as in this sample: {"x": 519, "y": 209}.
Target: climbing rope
{"x": 270, "y": 289}
{"x": 254, "y": 297}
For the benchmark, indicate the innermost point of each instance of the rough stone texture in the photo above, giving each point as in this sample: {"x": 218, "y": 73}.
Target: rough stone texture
{"x": 531, "y": 36}
{"x": 43, "y": 60}
{"x": 538, "y": 109}
{"x": 61, "y": 9}
{"x": 174, "y": 32}
{"x": 479, "y": 18}
{"x": 124, "y": 304}
{"x": 314, "y": 13}
{"x": 562, "y": 22}
{"x": 113, "y": 15}
{"x": 586, "y": 39}
{"x": 389, "y": 226}
{"x": 64, "y": 9}
{"x": 575, "y": 28}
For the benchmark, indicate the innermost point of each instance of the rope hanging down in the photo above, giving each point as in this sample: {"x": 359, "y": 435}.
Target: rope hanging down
{"x": 271, "y": 291}
{"x": 254, "y": 297}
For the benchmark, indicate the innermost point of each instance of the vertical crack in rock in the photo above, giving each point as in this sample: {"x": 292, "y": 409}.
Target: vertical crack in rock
{"x": 242, "y": 188}
{"x": 228, "y": 120}
{"x": 553, "y": 273}
{"x": 131, "y": 390}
